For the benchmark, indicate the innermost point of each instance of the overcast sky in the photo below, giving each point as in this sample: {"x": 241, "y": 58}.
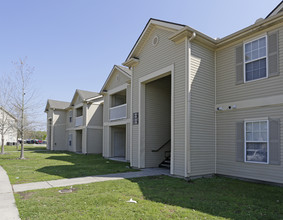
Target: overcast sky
{"x": 74, "y": 44}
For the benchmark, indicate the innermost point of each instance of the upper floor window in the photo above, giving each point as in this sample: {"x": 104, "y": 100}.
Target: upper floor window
{"x": 70, "y": 116}
{"x": 255, "y": 59}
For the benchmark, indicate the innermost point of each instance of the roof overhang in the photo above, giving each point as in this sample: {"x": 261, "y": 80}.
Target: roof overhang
{"x": 131, "y": 62}
{"x": 261, "y": 25}
{"x": 188, "y": 32}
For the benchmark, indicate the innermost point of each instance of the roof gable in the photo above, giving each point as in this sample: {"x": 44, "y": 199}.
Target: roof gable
{"x": 151, "y": 24}
{"x": 125, "y": 71}
{"x": 83, "y": 95}
{"x": 276, "y": 10}
{"x": 56, "y": 104}
{"x": 8, "y": 113}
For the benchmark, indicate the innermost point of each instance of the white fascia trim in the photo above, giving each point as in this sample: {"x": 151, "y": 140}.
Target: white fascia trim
{"x": 97, "y": 103}
{"x": 95, "y": 127}
{"x": 94, "y": 98}
{"x": 118, "y": 89}
{"x": 145, "y": 79}
{"x": 78, "y": 105}
{"x": 251, "y": 103}
{"x": 120, "y": 122}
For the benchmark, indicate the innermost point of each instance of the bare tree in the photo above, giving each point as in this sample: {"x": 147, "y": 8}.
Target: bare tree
{"x": 23, "y": 99}
{"x": 7, "y": 121}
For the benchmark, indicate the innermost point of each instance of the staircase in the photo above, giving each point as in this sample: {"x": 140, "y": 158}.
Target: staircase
{"x": 166, "y": 163}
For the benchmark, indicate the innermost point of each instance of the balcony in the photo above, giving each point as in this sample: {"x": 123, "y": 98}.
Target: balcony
{"x": 79, "y": 121}
{"x": 118, "y": 112}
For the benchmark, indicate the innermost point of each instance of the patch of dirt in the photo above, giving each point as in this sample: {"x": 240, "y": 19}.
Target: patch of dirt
{"x": 26, "y": 195}
{"x": 65, "y": 190}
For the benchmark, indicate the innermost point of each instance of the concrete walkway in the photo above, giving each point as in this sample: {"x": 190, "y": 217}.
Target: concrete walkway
{"x": 8, "y": 209}
{"x": 89, "y": 179}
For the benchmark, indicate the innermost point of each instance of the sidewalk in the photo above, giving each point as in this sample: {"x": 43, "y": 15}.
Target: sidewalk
{"x": 8, "y": 209}
{"x": 89, "y": 179}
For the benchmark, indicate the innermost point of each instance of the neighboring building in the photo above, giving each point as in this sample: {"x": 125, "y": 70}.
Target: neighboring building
{"x": 8, "y": 121}
{"x": 208, "y": 106}
{"x": 76, "y": 126}
{"x": 116, "y": 114}
{"x": 56, "y": 124}
{"x": 85, "y": 122}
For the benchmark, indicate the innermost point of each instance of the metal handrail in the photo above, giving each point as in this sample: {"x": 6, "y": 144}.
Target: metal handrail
{"x": 161, "y": 146}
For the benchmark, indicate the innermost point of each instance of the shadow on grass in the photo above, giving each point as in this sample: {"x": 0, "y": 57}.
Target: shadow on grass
{"x": 80, "y": 165}
{"x": 218, "y": 196}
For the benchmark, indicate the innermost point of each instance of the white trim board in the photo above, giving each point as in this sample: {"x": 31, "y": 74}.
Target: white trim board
{"x": 252, "y": 103}
{"x": 169, "y": 70}
{"x": 118, "y": 89}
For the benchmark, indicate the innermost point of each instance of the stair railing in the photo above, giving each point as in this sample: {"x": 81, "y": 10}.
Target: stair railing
{"x": 161, "y": 146}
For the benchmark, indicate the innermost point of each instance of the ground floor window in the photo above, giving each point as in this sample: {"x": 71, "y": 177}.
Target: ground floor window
{"x": 70, "y": 139}
{"x": 256, "y": 141}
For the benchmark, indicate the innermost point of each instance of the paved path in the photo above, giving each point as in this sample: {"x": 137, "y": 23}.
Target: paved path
{"x": 89, "y": 179}
{"x": 8, "y": 209}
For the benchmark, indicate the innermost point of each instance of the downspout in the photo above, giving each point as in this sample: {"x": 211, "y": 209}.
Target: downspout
{"x": 188, "y": 104}
{"x": 131, "y": 122}
{"x": 52, "y": 131}
{"x": 215, "y": 124}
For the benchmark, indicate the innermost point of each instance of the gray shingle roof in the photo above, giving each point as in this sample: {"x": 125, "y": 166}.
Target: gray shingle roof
{"x": 58, "y": 104}
{"x": 87, "y": 94}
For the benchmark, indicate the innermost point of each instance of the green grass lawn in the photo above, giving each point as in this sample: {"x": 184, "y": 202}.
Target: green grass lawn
{"x": 28, "y": 147}
{"x": 49, "y": 165}
{"x": 158, "y": 197}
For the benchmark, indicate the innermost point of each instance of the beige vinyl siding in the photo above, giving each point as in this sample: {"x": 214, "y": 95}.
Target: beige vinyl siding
{"x": 157, "y": 120}
{"x": 116, "y": 80}
{"x": 226, "y": 144}
{"x": 95, "y": 115}
{"x": 106, "y": 108}
{"x": 228, "y": 91}
{"x": 59, "y": 130}
{"x": 128, "y": 94}
{"x": 153, "y": 58}
{"x": 106, "y": 141}
{"x": 78, "y": 100}
{"x": 94, "y": 141}
{"x": 128, "y": 142}
{"x": 202, "y": 78}
{"x": 68, "y": 123}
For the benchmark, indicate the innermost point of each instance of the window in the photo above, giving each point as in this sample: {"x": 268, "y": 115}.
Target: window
{"x": 70, "y": 116}
{"x": 70, "y": 139}
{"x": 256, "y": 141}
{"x": 255, "y": 59}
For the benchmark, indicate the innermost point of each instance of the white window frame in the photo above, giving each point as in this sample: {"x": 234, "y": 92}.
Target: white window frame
{"x": 70, "y": 116}
{"x": 267, "y": 140}
{"x": 70, "y": 140}
{"x": 266, "y": 57}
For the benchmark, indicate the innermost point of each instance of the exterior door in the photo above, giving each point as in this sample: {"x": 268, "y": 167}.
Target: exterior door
{"x": 119, "y": 143}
